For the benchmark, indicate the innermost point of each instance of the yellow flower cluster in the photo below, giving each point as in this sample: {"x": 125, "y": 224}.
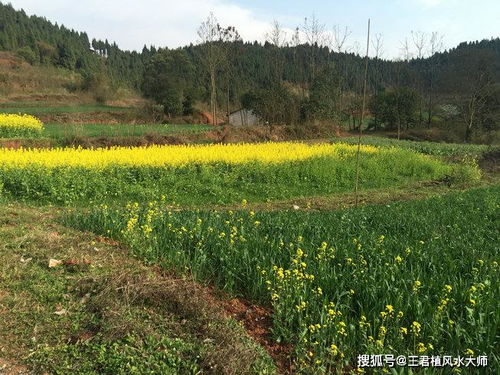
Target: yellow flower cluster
{"x": 176, "y": 155}
{"x": 445, "y": 300}
{"x": 19, "y": 124}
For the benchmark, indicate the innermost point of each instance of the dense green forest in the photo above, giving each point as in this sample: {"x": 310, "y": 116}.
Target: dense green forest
{"x": 289, "y": 83}
{"x": 39, "y": 41}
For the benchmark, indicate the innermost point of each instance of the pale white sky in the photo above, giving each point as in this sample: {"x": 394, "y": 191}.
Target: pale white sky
{"x": 133, "y": 23}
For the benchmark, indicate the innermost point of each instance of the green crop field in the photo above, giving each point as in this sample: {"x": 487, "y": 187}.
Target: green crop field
{"x": 431, "y": 148}
{"x": 149, "y": 247}
{"x": 69, "y": 175}
{"x": 324, "y": 200}
{"x": 58, "y": 131}
{"x": 407, "y": 278}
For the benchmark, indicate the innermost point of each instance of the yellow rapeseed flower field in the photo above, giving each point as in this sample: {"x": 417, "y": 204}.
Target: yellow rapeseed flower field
{"x": 157, "y": 156}
{"x": 19, "y": 125}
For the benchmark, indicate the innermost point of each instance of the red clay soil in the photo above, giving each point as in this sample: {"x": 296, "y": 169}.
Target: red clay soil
{"x": 11, "y": 144}
{"x": 9, "y": 60}
{"x": 107, "y": 241}
{"x": 11, "y": 368}
{"x": 255, "y": 319}
{"x": 209, "y": 119}
{"x": 257, "y": 322}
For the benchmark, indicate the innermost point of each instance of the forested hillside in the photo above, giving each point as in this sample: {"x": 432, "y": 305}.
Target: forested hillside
{"x": 290, "y": 82}
{"x": 39, "y": 41}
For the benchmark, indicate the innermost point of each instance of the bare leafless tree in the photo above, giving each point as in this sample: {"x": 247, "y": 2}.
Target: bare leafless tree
{"x": 216, "y": 43}
{"x": 406, "y": 56}
{"x": 295, "y": 40}
{"x": 406, "y": 50}
{"x": 276, "y": 35}
{"x": 378, "y": 46}
{"x": 419, "y": 39}
{"x": 315, "y": 35}
{"x": 229, "y": 37}
{"x": 339, "y": 38}
{"x": 209, "y": 34}
{"x": 314, "y": 31}
{"x": 436, "y": 45}
{"x": 356, "y": 48}
{"x": 480, "y": 86}
{"x": 338, "y": 43}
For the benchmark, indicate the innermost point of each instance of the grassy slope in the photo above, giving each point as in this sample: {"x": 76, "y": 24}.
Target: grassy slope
{"x": 107, "y": 313}
{"x": 33, "y": 109}
{"x": 54, "y": 94}
{"x": 21, "y": 82}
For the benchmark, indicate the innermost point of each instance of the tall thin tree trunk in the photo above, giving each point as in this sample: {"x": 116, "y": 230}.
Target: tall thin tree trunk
{"x": 362, "y": 115}
{"x": 429, "y": 110}
{"x": 470, "y": 122}
{"x": 399, "y": 124}
{"x": 468, "y": 132}
{"x": 421, "y": 114}
{"x": 213, "y": 98}
{"x": 227, "y": 101}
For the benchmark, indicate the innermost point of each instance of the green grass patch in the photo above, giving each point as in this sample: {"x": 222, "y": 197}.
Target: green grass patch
{"x": 59, "y": 131}
{"x": 130, "y": 355}
{"x": 430, "y": 148}
{"x": 419, "y": 277}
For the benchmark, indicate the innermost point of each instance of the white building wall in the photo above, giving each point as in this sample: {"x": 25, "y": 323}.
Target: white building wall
{"x": 243, "y": 117}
